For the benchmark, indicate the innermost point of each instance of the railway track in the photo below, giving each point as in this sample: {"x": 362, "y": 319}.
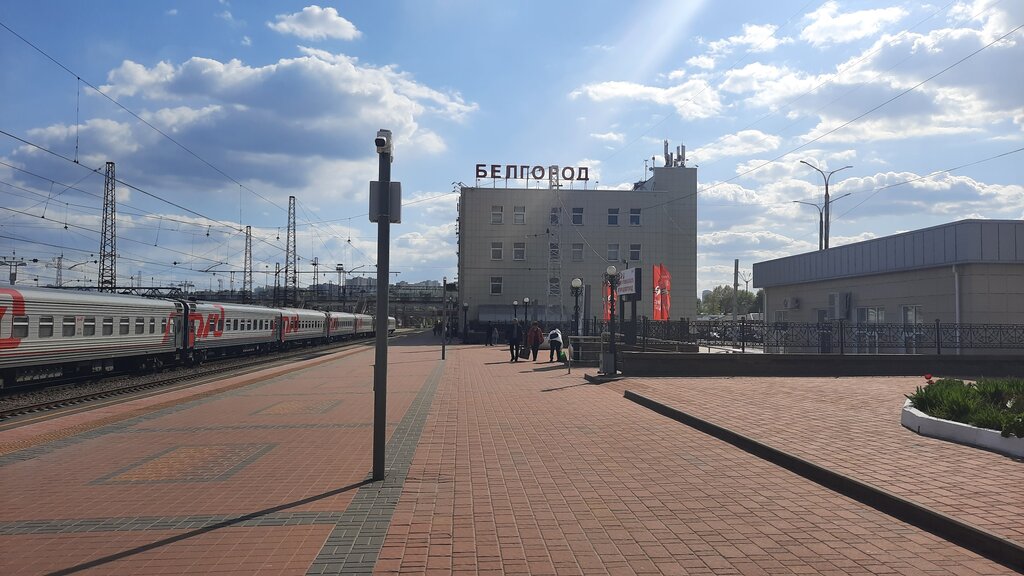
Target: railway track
{"x": 68, "y": 396}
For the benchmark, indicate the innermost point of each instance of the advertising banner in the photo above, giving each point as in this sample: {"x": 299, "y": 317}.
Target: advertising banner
{"x": 662, "y": 292}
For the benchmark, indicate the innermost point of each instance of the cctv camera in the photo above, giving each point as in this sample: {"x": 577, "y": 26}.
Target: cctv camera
{"x": 380, "y": 142}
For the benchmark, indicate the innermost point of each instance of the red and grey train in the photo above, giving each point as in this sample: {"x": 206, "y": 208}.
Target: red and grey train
{"x": 49, "y": 334}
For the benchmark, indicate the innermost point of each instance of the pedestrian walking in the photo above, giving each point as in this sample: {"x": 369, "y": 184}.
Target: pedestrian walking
{"x": 555, "y": 340}
{"x": 489, "y": 337}
{"x": 515, "y": 337}
{"x": 534, "y": 338}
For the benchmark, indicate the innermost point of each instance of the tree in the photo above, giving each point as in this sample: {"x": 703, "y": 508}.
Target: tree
{"x": 720, "y": 301}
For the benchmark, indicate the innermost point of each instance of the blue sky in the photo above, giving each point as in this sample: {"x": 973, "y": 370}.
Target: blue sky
{"x": 270, "y": 99}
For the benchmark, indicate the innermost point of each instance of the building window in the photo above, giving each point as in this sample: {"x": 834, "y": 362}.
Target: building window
{"x": 613, "y": 216}
{"x": 577, "y": 252}
{"x": 871, "y": 315}
{"x": 495, "y": 284}
{"x": 496, "y": 214}
{"x": 519, "y": 251}
{"x": 519, "y": 214}
{"x": 577, "y": 216}
{"x": 634, "y": 216}
{"x": 613, "y": 252}
{"x": 68, "y": 327}
{"x": 912, "y": 314}
{"x": 556, "y": 215}
{"x": 634, "y": 252}
{"x": 496, "y": 249}
{"x": 554, "y": 254}
{"x": 781, "y": 315}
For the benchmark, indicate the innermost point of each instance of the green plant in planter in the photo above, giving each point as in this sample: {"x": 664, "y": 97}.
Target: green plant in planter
{"x": 995, "y": 404}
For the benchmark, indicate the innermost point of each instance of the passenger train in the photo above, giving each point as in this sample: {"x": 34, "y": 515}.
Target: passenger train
{"x": 50, "y": 333}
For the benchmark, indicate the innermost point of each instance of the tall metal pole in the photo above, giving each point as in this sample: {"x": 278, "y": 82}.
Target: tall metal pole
{"x": 108, "y": 233}
{"x": 444, "y": 313}
{"x": 827, "y": 213}
{"x": 247, "y": 276}
{"x": 380, "y": 364}
{"x": 291, "y": 275}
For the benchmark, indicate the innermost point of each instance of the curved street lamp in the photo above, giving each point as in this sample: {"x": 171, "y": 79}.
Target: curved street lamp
{"x": 827, "y": 214}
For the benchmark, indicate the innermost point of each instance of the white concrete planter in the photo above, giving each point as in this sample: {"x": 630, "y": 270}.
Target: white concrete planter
{"x": 926, "y": 425}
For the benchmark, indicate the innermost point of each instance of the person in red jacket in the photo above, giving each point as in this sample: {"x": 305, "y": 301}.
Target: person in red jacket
{"x": 534, "y": 338}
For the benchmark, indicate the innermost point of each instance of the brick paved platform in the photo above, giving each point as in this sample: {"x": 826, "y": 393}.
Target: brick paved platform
{"x": 493, "y": 467}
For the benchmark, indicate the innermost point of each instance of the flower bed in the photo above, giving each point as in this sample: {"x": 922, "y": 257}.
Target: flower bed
{"x": 989, "y": 412}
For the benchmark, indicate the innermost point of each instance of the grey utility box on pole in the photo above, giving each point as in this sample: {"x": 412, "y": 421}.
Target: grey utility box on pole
{"x": 393, "y": 206}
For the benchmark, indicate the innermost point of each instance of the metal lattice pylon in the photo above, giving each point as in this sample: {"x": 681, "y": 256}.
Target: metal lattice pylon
{"x": 108, "y": 235}
{"x": 291, "y": 272}
{"x": 247, "y": 273}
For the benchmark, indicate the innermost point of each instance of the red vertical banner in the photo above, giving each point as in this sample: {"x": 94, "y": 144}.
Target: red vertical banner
{"x": 656, "y": 275}
{"x": 666, "y": 292}
{"x": 662, "y": 292}
{"x": 606, "y": 291}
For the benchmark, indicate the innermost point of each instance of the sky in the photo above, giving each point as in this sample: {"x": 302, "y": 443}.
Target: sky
{"x": 215, "y": 112}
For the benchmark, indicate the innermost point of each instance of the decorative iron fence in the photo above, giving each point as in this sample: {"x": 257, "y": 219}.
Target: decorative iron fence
{"x": 838, "y": 337}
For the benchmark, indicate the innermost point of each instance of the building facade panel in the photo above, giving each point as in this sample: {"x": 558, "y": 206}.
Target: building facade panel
{"x": 656, "y": 221}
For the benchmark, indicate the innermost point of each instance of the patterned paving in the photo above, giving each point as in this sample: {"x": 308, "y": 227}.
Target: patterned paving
{"x": 492, "y": 468}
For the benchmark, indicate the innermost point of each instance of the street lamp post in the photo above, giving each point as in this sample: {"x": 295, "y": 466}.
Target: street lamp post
{"x": 515, "y": 307}
{"x": 526, "y": 309}
{"x": 465, "y": 321}
{"x": 444, "y": 313}
{"x": 612, "y": 275}
{"x": 821, "y": 223}
{"x": 576, "y": 286}
{"x": 827, "y": 217}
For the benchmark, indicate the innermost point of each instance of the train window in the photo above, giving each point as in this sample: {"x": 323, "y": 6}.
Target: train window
{"x": 45, "y": 326}
{"x": 20, "y": 328}
{"x": 89, "y": 327}
{"x": 125, "y": 326}
{"x": 67, "y": 328}
{"x": 273, "y": 324}
{"x": 235, "y": 323}
{"x": 108, "y": 326}
{"x": 152, "y": 325}
{"x": 163, "y": 325}
{"x": 140, "y": 325}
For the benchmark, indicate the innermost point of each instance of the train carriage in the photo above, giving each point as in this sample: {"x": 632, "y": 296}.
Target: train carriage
{"x": 226, "y": 329}
{"x": 340, "y": 326}
{"x": 364, "y": 325}
{"x": 49, "y": 333}
{"x": 299, "y": 326}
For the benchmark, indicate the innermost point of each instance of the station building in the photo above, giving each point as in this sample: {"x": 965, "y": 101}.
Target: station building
{"x": 529, "y": 243}
{"x": 965, "y": 272}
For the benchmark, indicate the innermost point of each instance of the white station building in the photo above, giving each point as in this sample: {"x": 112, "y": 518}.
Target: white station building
{"x": 521, "y": 247}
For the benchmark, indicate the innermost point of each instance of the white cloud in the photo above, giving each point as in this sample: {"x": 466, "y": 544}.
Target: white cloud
{"x": 315, "y": 23}
{"x": 739, "y": 144}
{"x": 616, "y": 137}
{"x": 692, "y": 99}
{"x": 246, "y": 41}
{"x": 828, "y": 26}
{"x": 703, "y": 61}
{"x": 755, "y": 38}
{"x": 172, "y": 12}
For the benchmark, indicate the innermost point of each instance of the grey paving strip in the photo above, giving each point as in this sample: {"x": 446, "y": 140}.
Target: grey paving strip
{"x": 143, "y": 524}
{"x": 980, "y": 541}
{"x": 355, "y": 542}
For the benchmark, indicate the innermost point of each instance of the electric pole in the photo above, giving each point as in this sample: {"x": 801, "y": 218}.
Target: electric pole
{"x": 108, "y": 234}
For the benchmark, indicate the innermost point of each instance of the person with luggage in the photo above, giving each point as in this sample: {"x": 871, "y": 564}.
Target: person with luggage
{"x": 555, "y": 341}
